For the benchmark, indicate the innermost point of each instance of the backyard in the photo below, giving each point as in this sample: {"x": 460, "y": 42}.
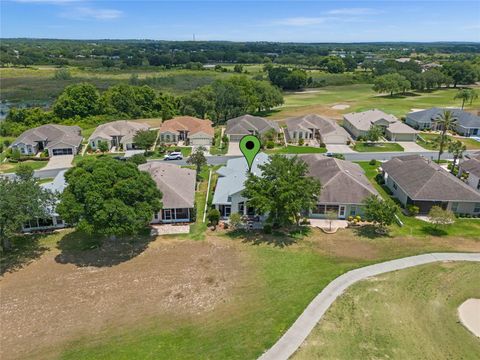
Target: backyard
{"x": 428, "y": 141}
{"x": 408, "y": 314}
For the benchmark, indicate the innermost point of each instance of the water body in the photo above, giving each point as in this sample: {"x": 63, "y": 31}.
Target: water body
{"x": 5, "y": 106}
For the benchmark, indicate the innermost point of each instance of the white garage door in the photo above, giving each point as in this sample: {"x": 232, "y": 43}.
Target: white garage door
{"x": 201, "y": 141}
{"x": 65, "y": 151}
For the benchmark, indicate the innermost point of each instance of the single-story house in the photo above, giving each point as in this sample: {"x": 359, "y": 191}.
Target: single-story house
{"x": 56, "y": 139}
{"x": 118, "y": 134}
{"x": 177, "y": 185}
{"x": 249, "y": 125}
{"x": 358, "y": 124}
{"x": 344, "y": 186}
{"x": 472, "y": 168}
{"x": 467, "y": 124}
{"x": 197, "y": 132}
{"x": 417, "y": 181}
{"x": 314, "y": 127}
{"x": 53, "y": 221}
{"x": 228, "y": 193}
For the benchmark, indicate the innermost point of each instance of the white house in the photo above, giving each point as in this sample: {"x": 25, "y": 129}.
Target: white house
{"x": 118, "y": 134}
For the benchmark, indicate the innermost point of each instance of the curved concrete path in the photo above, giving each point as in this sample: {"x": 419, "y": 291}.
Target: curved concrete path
{"x": 298, "y": 332}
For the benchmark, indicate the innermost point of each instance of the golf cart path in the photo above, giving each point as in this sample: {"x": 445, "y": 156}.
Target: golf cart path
{"x": 301, "y": 328}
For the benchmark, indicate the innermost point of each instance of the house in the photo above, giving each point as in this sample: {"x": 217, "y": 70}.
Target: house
{"x": 194, "y": 131}
{"x": 344, "y": 186}
{"x": 118, "y": 134}
{"x": 249, "y": 125}
{"x": 53, "y": 221}
{"x": 317, "y": 128}
{"x": 472, "y": 168}
{"x": 177, "y": 185}
{"x": 358, "y": 124}
{"x": 467, "y": 124}
{"x": 228, "y": 193}
{"x": 56, "y": 139}
{"x": 417, "y": 181}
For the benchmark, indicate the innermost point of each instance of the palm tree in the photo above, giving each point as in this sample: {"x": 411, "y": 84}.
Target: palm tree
{"x": 446, "y": 121}
{"x": 456, "y": 148}
{"x": 466, "y": 95}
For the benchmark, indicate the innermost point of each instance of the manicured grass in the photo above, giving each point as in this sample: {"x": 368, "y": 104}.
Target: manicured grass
{"x": 377, "y": 147}
{"x": 361, "y": 97}
{"x": 78, "y": 158}
{"x": 408, "y": 314}
{"x": 412, "y": 227}
{"x": 8, "y": 167}
{"x": 219, "y": 147}
{"x": 428, "y": 141}
{"x": 292, "y": 149}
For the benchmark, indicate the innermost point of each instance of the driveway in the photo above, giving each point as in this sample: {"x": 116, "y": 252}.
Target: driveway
{"x": 234, "y": 149}
{"x": 301, "y": 328}
{"x": 59, "y": 162}
{"x": 339, "y": 149}
{"x": 411, "y": 146}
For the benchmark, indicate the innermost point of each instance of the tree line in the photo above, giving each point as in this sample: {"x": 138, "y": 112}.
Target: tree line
{"x": 83, "y": 104}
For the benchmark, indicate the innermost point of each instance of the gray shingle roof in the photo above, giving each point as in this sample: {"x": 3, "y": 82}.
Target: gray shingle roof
{"x": 53, "y": 134}
{"x": 313, "y": 121}
{"x": 365, "y": 119}
{"x": 472, "y": 166}
{"x": 464, "y": 118}
{"x": 244, "y": 125}
{"x": 425, "y": 180}
{"x": 124, "y": 128}
{"x": 342, "y": 182}
{"x": 176, "y": 184}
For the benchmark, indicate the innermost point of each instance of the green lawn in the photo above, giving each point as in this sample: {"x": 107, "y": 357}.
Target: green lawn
{"x": 8, "y": 167}
{"x": 377, "y": 147}
{"x": 292, "y": 149}
{"x": 361, "y": 97}
{"x": 428, "y": 141}
{"x": 408, "y": 314}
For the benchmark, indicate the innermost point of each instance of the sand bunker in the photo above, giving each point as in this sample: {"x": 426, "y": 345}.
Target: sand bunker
{"x": 340, "y": 107}
{"x": 469, "y": 313}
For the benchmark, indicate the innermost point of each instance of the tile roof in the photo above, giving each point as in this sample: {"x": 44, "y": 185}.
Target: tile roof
{"x": 53, "y": 134}
{"x": 243, "y": 125}
{"x": 365, "y": 119}
{"x": 343, "y": 182}
{"x": 422, "y": 179}
{"x": 176, "y": 184}
{"x": 124, "y": 128}
{"x": 188, "y": 123}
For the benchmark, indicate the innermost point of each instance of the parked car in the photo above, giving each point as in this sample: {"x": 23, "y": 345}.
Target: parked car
{"x": 173, "y": 156}
{"x": 329, "y": 154}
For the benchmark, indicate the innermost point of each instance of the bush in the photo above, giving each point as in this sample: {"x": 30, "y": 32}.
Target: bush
{"x": 372, "y": 162}
{"x": 301, "y": 142}
{"x": 138, "y": 159}
{"x": 267, "y": 228}
{"x": 270, "y": 144}
{"x": 15, "y": 155}
{"x": 323, "y": 145}
{"x": 213, "y": 217}
{"x": 413, "y": 210}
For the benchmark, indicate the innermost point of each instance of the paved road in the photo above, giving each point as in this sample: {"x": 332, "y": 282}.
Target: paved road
{"x": 219, "y": 160}
{"x": 298, "y": 332}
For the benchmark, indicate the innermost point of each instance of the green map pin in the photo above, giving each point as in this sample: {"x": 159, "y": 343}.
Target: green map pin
{"x": 250, "y": 146}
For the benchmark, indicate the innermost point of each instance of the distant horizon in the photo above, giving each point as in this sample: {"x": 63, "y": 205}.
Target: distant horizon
{"x": 284, "y": 21}
{"x": 252, "y": 41}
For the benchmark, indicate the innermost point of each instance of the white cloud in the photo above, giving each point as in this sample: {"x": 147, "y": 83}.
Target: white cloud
{"x": 354, "y": 11}
{"x": 87, "y": 13}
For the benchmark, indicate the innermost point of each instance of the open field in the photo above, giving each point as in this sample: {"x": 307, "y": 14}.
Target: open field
{"x": 408, "y": 314}
{"x": 361, "y": 97}
{"x": 172, "y": 297}
{"x": 377, "y": 147}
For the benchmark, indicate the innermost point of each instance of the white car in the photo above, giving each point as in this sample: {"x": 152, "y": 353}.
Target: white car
{"x": 176, "y": 155}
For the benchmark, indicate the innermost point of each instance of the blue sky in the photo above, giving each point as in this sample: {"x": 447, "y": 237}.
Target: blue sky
{"x": 302, "y": 21}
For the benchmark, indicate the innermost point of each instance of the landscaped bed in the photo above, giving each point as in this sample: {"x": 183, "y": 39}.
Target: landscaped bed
{"x": 377, "y": 147}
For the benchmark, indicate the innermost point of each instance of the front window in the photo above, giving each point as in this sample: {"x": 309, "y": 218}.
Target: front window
{"x": 478, "y": 185}
{"x": 319, "y": 209}
{"x": 455, "y": 207}
{"x": 241, "y": 207}
{"x": 477, "y": 208}
{"x": 395, "y": 186}
{"x": 353, "y": 211}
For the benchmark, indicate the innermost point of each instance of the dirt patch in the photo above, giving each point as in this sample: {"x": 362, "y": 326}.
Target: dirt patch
{"x": 48, "y": 303}
{"x": 340, "y": 107}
